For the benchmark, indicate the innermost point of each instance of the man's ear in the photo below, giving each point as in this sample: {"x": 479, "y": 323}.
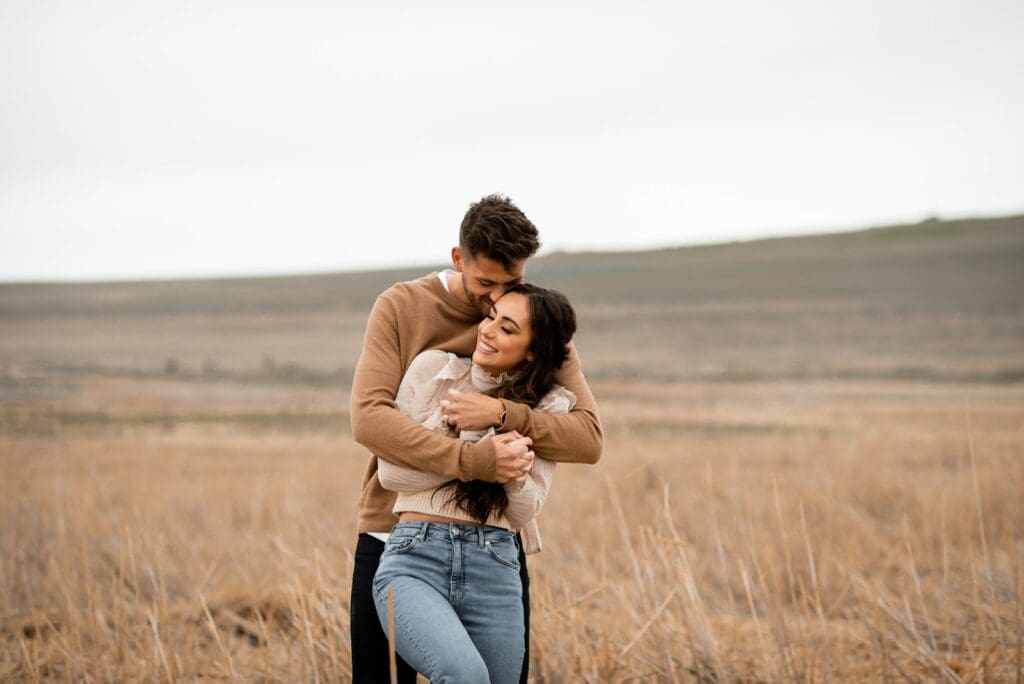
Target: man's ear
{"x": 457, "y": 259}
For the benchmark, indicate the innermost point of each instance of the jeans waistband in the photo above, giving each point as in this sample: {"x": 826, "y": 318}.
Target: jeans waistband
{"x": 454, "y": 531}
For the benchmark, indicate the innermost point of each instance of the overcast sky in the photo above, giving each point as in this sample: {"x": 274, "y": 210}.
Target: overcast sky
{"x": 144, "y": 139}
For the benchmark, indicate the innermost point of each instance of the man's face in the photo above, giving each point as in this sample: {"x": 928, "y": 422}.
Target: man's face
{"x": 485, "y": 279}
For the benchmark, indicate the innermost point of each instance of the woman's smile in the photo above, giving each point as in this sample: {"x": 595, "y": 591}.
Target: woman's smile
{"x": 504, "y": 336}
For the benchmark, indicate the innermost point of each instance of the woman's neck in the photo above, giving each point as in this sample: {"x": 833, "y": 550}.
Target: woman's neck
{"x": 487, "y": 379}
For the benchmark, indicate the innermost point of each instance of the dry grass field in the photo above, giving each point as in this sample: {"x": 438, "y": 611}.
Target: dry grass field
{"x": 813, "y": 469}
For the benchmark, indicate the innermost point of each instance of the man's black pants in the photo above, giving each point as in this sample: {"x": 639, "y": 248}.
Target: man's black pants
{"x": 370, "y": 643}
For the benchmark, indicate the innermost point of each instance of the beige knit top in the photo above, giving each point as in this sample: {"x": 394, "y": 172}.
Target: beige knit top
{"x": 427, "y": 381}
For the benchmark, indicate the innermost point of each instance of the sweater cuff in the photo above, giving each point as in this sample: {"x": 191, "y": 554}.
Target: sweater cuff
{"x": 478, "y": 461}
{"x": 517, "y": 417}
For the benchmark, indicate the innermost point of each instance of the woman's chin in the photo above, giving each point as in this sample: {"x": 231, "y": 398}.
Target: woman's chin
{"x": 482, "y": 361}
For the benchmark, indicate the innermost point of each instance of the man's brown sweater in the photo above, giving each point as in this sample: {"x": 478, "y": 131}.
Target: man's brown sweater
{"x": 409, "y": 318}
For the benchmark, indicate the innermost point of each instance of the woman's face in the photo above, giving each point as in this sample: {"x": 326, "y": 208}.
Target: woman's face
{"x": 503, "y": 338}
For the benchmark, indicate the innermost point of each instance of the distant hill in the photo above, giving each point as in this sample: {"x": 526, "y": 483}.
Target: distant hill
{"x": 937, "y": 300}
{"x": 895, "y": 260}
{"x": 792, "y": 266}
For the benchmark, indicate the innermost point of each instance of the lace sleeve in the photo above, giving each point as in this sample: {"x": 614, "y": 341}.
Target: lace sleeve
{"x": 558, "y": 400}
{"x": 419, "y": 385}
{"x": 406, "y": 480}
{"x": 416, "y": 398}
{"x": 525, "y": 499}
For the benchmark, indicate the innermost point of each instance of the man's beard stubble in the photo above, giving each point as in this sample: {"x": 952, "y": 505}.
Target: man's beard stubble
{"x": 481, "y": 304}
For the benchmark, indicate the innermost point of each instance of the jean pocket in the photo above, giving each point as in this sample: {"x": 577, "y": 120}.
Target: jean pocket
{"x": 504, "y": 554}
{"x": 396, "y": 545}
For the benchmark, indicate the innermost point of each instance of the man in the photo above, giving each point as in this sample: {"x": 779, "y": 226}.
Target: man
{"x": 441, "y": 311}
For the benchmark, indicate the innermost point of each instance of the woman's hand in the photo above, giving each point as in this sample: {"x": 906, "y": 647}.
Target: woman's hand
{"x": 471, "y": 410}
{"x": 513, "y": 458}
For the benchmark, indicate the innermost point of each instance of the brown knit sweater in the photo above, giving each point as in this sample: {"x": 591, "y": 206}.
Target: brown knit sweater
{"x": 407, "y": 319}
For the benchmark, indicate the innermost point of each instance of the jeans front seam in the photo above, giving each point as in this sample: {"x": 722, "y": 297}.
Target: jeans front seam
{"x": 425, "y": 653}
{"x": 458, "y": 576}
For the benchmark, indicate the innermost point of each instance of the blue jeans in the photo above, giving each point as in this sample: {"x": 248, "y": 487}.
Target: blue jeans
{"x": 458, "y": 601}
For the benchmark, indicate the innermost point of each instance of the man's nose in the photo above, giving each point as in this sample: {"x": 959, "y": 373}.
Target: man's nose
{"x": 489, "y": 297}
{"x": 495, "y": 293}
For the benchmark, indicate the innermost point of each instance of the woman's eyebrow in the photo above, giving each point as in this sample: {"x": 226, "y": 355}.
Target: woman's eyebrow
{"x": 510, "y": 320}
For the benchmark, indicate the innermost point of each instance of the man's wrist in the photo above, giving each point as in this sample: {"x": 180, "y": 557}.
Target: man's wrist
{"x": 478, "y": 461}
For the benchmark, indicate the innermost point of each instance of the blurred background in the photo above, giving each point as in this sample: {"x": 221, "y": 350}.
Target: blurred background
{"x": 793, "y": 233}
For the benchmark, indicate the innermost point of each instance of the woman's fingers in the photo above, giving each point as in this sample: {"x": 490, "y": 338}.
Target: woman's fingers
{"x": 512, "y": 458}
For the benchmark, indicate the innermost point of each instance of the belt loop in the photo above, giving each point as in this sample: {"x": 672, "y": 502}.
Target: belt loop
{"x": 480, "y": 533}
{"x": 423, "y": 531}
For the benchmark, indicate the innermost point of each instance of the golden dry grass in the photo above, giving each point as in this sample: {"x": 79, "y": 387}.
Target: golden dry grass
{"x": 813, "y": 469}
{"x": 757, "y": 532}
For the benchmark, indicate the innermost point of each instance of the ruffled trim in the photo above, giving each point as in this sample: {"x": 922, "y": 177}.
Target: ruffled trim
{"x": 484, "y": 381}
{"x": 558, "y": 400}
{"x": 454, "y": 368}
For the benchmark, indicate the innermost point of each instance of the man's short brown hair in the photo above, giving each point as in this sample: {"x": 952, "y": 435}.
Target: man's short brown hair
{"x": 499, "y": 230}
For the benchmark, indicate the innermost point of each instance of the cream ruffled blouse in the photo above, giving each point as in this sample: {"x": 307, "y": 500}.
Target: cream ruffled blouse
{"x": 427, "y": 381}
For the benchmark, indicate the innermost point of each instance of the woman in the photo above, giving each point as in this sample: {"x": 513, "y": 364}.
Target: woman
{"x": 452, "y": 560}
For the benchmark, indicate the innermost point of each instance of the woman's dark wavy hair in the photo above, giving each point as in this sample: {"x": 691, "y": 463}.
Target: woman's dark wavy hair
{"x": 553, "y": 323}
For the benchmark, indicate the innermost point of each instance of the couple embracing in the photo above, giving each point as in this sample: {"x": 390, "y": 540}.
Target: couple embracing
{"x": 467, "y": 392}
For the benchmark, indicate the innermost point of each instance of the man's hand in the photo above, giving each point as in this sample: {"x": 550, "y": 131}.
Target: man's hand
{"x": 471, "y": 410}
{"x": 512, "y": 457}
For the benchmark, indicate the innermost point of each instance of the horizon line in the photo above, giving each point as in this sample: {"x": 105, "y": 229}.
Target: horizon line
{"x": 375, "y": 269}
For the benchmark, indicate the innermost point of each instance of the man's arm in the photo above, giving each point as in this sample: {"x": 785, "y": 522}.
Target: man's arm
{"x": 399, "y": 478}
{"x": 379, "y": 426}
{"x": 574, "y": 437}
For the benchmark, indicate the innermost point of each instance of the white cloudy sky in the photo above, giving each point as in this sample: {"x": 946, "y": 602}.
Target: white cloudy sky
{"x": 144, "y": 139}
